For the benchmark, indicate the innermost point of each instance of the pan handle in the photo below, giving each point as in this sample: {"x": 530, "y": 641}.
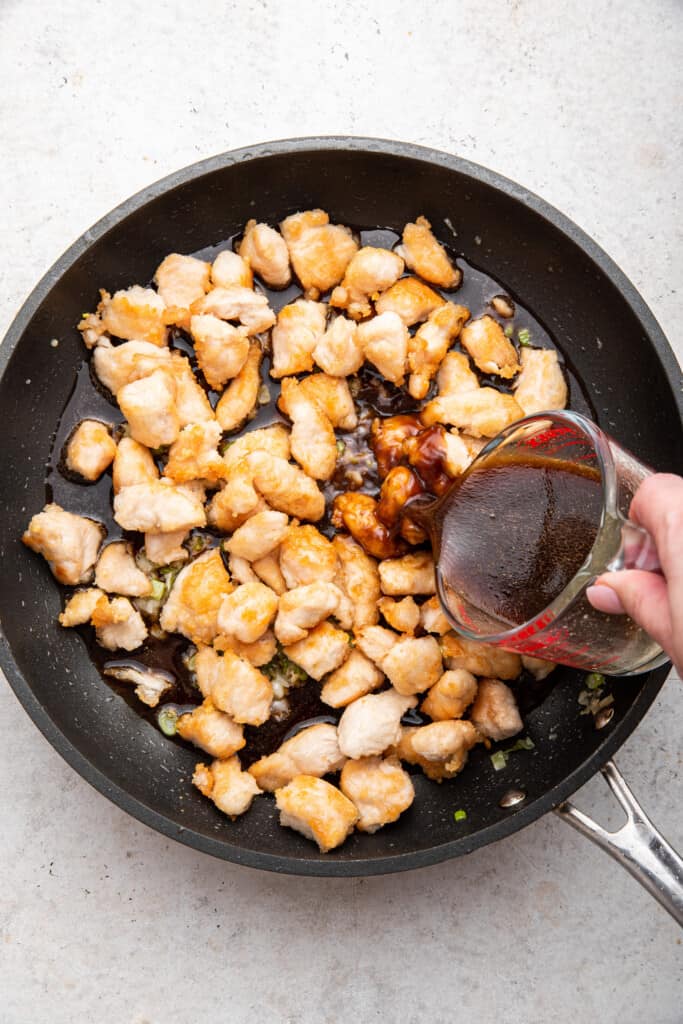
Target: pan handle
{"x": 637, "y": 845}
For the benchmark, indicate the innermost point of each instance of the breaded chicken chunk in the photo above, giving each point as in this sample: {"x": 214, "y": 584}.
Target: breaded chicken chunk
{"x": 149, "y": 406}
{"x": 68, "y": 543}
{"x": 268, "y": 570}
{"x": 134, "y": 314}
{"x": 426, "y": 256}
{"x": 494, "y": 712}
{"x": 231, "y": 269}
{"x": 80, "y": 607}
{"x": 237, "y": 303}
{"x": 320, "y": 252}
{"x": 157, "y": 507}
{"x": 194, "y": 455}
{"x": 303, "y": 608}
{"x": 211, "y": 730}
{"x": 433, "y": 618}
{"x": 221, "y": 509}
{"x": 456, "y": 375}
{"x": 480, "y": 659}
{"x": 239, "y": 398}
{"x": 458, "y": 453}
{"x": 541, "y": 384}
{"x": 314, "y": 445}
{"x": 300, "y": 326}
{"x": 150, "y": 686}
{"x": 379, "y": 788}
{"x": 411, "y": 299}
{"x": 447, "y": 743}
{"x": 118, "y": 365}
{"x": 164, "y": 548}
{"x": 316, "y": 809}
{"x": 481, "y": 413}
{"x": 372, "y": 723}
{"x": 117, "y": 571}
{"x": 118, "y": 624}
{"x": 411, "y": 574}
{"x": 333, "y": 396}
{"x": 384, "y": 341}
{"x": 370, "y": 272}
{"x": 322, "y": 651}
{"x": 357, "y": 513}
{"x": 375, "y": 642}
{"x": 191, "y": 400}
{"x": 224, "y": 782}
{"x": 259, "y": 653}
{"x": 247, "y": 612}
{"x": 274, "y": 440}
{"x": 267, "y": 254}
{"x": 338, "y": 352}
{"x": 403, "y": 616}
{"x": 306, "y": 557}
{"x": 260, "y": 535}
{"x": 358, "y": 578}
{"x": 133, "y": 464}
{"x": 90, "y": 449}
{"x": 413, "y": 664}
{"x": 221, "y": 349}
{"x": 490, "y": 349}
{"x": 234, "y": 685}
{"x": 451, "y": 695}
{"x": 430, "y": 344}
{"x": 285, "y": 487}
{"x": 311, "y": 751}
{"x": 356, "y": 677}
{"x": 197, "y": 593}
{"x": 539, "y": 667}
{"x": 181, "y": 280}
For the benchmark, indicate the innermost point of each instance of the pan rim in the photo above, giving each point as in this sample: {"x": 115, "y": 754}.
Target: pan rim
{"x": 315, "y": 865}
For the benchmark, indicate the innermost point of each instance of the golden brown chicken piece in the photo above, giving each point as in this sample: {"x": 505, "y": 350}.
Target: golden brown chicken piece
{"x": 370, "y": 272}
{"x": 357, "y": 513}
{"x": 221, "y": 349}
{"x": 80, "y": 607}
{"x": 302, "y": 608}
{"x": 274, "y": 440}
{"x": 118, "y": 624}
{"x": 431, "y": 342}
{"x": 267, "y": 254}
{"x": 197, "y": 593}
{"x": 480, "y": 659}
{"x": 157, "y": 507}
{"x": 311, "y": 751}
{"x": 316, "y": 809}
{"x": 247, "y": 612}
{"x": 412, "y": 299}
{"x": 149, "y": 405}
{"x": 376, "y": 642}
{"x": 356, "y": 677}
{"x": 133, "y": 464}
{"x": 68, "y": 543}
{"x": 285, "y": 487}
{"x": 134, "y": 314}
{"x": 181, "y": 280}
{"x": 456, "y": 375}
{"x": 427, "y": 257}
{"x": 237, "y": 303}
{"x": 403, "y": 616}
{"x": 164, "y": 548}
{"x": 433, "y": 618}
{"x": 221, "y": 512}
{"x": 445, "y": 743}
{"x": 494, "y": 712}
{"x": 260, "y": 535}
{"x": 300, "y": 326}
{"x": 322, "y": 651}
{"x": 313, "y": 442}
{"x": 121, "y": 364}
{"x": 481, "y": 413}
{"x": 387, "y": 437}
{"x": 450, "y": 695}
{"x": 490, "y": 349}
{"x": 411, "y": 574}
{"x": 373, "y": 723}
{"x": 538, "y": 667}
{"x": 117, "y": 571}
{"x": 458, "y": 453}
{"x": 90, "y": 449}
{"x": 413, "y": 664}
{"x": 240, "y": 397}
{"x": 234, "y": 685}
{"x": 338, "y": 352}
{"x": 230, "y": 270}
{"x": 358, "y": 578}
{"x": 259, "y": 653}
{"x": 320, "y": 252}
{"x": 380, "y": 789}
{"x": 211, "y": 730}
{"x": 541, "y": 384}
{"x": 384, "y": 341}
{"x": 333, "y": 396}
{"x": 191, "y": 401}
{"x": 268, "y": 570}
{"x": 194, "y": 455}
{"x": 224, "y": 782}
{"x": 306, "y": 557}
{"x": 398, "y": 487}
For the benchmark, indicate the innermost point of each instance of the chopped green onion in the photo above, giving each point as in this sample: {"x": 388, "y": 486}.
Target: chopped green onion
{"x": 167, "y": 718}
{"x": 225, "y": 445}
{"x": 460, "y": 815}
{"x": 499, "y": 760}
{"x": 508, "y": 330}
{"x": 594, "y": 680}
{"x": 158, "y": 590}
{"x": 522, "y": 744}
{"x": 197, "y": 544}
{"x": 524, "y": 336}
{"x": 341, "y": 447}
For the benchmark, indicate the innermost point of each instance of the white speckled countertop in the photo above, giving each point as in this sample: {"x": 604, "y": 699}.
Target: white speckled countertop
{"x": 102, "y": 919}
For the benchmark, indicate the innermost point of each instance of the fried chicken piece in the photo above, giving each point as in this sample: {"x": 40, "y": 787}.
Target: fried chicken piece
{"x": 411, "y": 299}
{"x": 194, "y": 455}
{"x": 157, "y": 507}
{"x": 118, "y": 365}
{"x": 211, "y": 730}
{"x": 240, "y": 397}
{"x": 338, "y": 352}
{"x": 274, "y": 440}
{"x": 427, "y": 257}
{"x": 237, "y": 303}
{"x": 247, "y": 612}
{"x": 384, "y": 341}
{"x": 268, "y": 570}
{"x": 80, "y": 607}
{"x": 181, "y": 280}
{"x": 231, "y": 269}
{"x": 117, "y": 571}
{"x": 372, "y": 723}
{"x": 413, "y": 664}
{"x": 224, "y": 782}
{"x": 387, "y": 438}
{"x": 234, "y": 685}
{"x": 411, "y": 574}
{"x": 403, "y": 616}
{"x": 495, "y": 713}
{"x": 541, "y": 384}
{"x": 134, "y": 314}
{"x": 300, "y": 326}
{"x": 133, "y": 464}
{"x": 312, "y": 751}
{"x": 490, "y": 349}
{"x": 118, "y": 624}
{"x": 239, "y": 496}
{"x": 241, "y": 570}
{"x": 259, "y": 653}
{"x": 322, "y": 651}
{"x": 433, "y": 618}
{"x": 482, "y": 413}
{"x": 539, "y": 667}
{"x": 357, "y": 513}
{"x": 197, "y": 593}
{"x": 221, "y": 349}
{"x": 149, "y": 406}
{"x": 260, "y": 535}
{"x": 456, "y": 375}
{"x": 90, "y": 449}
{"x": 356, "y": 677}
{"x": 316, "y": 809}
{"x": 320, "y": 252}
{"x": 221, "y": 511}
{"x": 450, "y": 695}
{"x": 286, "y": 487}
{"x": 376, "y": 642}
{"x": 68, "y": 543}
{"x": 307, "y": 557}
{"x": 150, "y": 686}
{"x": 447, "y": 743}
{"x": 370, "y": 272}
{"x": 164, "y": 548}
{"x": 458, "y": 453}
{"x": 480, "y": 659}
{"x": 428, "y": 347}
{"x": 380, "y": 789}
{"x": 266, "y": 251}
{"x": 303, "y": 608}
{"x": 358, "y": 578}
{"x": 314, "y": 445}
{"x": 333, "y": 396}
{"x": 399, "y": 485}
{"x": 191, "y": 401}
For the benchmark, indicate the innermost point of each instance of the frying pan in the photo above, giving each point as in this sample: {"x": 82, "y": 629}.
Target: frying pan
{"x": 603, "y": 326}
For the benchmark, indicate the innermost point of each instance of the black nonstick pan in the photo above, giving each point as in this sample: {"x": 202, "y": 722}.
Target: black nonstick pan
{"x": 604, "y": 327}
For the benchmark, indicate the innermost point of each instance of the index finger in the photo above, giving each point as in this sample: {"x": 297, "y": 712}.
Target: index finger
{"x": 658, "y": 506}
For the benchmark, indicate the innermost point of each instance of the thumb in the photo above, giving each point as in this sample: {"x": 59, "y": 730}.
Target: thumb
{"x": 642, "y": 595}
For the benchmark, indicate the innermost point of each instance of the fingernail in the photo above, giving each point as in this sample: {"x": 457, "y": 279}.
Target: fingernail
{"x": 604, "y": 599}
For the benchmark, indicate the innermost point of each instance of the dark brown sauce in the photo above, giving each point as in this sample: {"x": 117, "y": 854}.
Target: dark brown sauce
{"x": 356, "y": 470}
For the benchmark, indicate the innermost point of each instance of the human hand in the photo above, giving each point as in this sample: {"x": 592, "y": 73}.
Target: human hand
{"x": 654, "y": 601}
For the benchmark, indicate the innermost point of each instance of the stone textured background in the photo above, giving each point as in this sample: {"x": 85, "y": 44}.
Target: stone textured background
{"x": 103, "y": 920}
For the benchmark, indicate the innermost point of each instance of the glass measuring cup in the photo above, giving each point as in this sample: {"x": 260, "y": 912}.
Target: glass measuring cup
{"x": 568, "y": 629}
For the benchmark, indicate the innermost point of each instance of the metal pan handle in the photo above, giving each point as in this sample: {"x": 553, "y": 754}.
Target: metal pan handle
{"x": 637, "y": 845}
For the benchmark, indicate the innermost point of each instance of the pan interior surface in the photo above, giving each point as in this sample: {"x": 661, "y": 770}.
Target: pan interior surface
{"x": 600, "y": 323}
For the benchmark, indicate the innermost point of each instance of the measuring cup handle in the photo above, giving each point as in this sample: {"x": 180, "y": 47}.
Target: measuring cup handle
{"x": 636, "y": 551}
{"x": 637, "y": 845}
